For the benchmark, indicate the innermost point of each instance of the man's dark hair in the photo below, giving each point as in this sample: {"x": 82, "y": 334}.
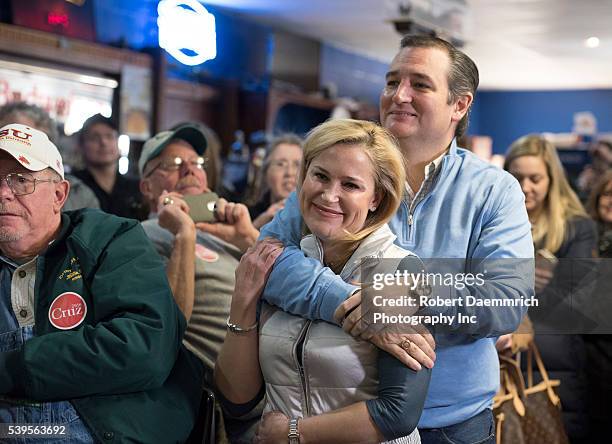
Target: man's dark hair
{"x": 94, "y": 120}
{"x": 462, "y": 75}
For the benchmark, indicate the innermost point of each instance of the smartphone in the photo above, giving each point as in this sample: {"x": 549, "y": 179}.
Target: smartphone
{"x": 202, "y": 206}
{"x": 546, "y": 260}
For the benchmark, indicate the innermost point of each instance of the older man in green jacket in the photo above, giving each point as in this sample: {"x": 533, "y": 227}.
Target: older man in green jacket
{"x": 90, "y": 337}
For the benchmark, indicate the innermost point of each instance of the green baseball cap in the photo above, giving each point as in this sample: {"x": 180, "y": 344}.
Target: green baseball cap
{"x": 156, "y": 144}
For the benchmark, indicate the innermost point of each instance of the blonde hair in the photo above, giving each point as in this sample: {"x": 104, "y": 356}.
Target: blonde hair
{"x": 561, "y": 203}
{"x": 387, "y": 164}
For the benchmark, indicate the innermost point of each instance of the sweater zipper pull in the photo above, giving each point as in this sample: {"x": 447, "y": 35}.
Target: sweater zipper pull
{"x": 410, "y": 220}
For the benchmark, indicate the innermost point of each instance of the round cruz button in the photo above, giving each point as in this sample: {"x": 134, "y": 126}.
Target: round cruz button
{"x": 67, "y": 311}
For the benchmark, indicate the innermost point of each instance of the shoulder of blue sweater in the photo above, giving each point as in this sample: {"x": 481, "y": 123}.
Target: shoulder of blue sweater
{"x": 472, "y": 165}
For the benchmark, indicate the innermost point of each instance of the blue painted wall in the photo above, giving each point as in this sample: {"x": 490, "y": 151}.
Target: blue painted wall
{"x": 244, "y": 52}
{"x": 508, "y": 115}
{"x": 132, "y": 23}
{"x": 243, "y": 48}
{"x": 354, "y": 75}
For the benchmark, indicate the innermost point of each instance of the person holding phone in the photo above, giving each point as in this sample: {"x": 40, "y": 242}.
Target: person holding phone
{"x": 561, "y": 231}
{"x": 199, "y": 265}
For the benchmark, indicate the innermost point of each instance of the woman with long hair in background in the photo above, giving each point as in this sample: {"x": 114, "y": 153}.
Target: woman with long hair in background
{"x": 564, "y": 239}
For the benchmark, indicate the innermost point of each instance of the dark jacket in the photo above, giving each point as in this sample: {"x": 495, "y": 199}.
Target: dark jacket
{"x": 124, "y": 199}
{"x": 599, "y": 346}
{"x": 564, "y": 354}
{"x": 260, "y": 206}
{"x": 123, "y": 368}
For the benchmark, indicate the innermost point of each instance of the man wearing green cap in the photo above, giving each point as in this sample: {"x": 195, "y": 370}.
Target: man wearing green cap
{"x": 200, "y": 258}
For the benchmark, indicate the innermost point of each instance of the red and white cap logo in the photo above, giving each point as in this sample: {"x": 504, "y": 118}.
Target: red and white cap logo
{"x": 67, "y": 311}
{"x": 31, "y": 148}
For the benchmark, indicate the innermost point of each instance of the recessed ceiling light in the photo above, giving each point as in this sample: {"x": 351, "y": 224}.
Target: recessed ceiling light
{"x": 591, "y": 42}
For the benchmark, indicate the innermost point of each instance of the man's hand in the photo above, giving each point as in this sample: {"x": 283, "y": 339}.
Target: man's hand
{"x": 542, "y": 278}
{"x": 504, "y": 342}
{"x": 233, "y": 225}
{"x": 173, "y": 213}
{"x": 413, "y": 345}
{"x": 273, "y": 429}
{"x": 253, "y": 271}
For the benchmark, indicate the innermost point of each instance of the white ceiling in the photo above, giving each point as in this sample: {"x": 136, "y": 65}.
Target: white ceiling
{"x": 517, "y": 44}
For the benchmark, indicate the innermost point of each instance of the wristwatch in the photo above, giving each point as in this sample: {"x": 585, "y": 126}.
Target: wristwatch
{"x": 294, "y": 434}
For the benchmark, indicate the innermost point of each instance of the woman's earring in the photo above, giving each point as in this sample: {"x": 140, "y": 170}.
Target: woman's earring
{"x": 373, "y": 209}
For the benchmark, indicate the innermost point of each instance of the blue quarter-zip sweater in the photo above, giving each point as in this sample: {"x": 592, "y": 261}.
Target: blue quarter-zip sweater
{"x": 474, "y": 214}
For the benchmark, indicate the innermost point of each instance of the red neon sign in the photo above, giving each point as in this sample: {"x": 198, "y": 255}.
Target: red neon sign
{"x": 58, "y": 19}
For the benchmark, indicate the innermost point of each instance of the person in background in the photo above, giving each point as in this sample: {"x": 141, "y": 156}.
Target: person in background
{"x": 599, "y": 346}
{"x": 90, "y": 337}
{"x": 319, "y": 381}
{"x": 117, "y": 194}
{"x": 200, "y": 266}
{"x": 279, "y": 175}
{"x": 213, "y": 153}
{"x": 561, "y": 229}
{"x": 601, "y": 162}
{"x": 600, "y": 209}
{"x": 35, "y": 117}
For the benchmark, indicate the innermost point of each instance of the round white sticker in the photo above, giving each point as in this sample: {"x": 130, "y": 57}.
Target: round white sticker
{"x": 206, "y": 254}
{"x": 67, "y": 311}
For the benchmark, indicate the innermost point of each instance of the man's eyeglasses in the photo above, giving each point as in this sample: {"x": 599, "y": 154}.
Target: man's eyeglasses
{"x": 175, "y": 164}
{"x": 23, "y": 183}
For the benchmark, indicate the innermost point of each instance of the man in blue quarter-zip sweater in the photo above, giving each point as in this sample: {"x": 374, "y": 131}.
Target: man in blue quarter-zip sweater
{"x": 455, "y": 207}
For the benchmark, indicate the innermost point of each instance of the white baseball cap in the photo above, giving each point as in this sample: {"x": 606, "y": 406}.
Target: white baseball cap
{"x": 31, "y": 148}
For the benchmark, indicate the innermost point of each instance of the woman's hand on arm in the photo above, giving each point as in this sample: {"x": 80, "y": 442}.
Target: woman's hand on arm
{"x": 237, "y": 372}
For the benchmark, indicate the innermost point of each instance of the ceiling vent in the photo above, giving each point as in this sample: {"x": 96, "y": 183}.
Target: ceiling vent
{"x": 440, "y": 18}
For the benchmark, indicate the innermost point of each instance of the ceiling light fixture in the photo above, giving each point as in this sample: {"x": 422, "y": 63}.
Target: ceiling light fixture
{"x": 591, "y": 42}
{"x": 186, "y": 25}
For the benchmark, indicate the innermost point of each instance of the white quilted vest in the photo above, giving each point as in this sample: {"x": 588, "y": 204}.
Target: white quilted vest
{"x": 336, "y": 369}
